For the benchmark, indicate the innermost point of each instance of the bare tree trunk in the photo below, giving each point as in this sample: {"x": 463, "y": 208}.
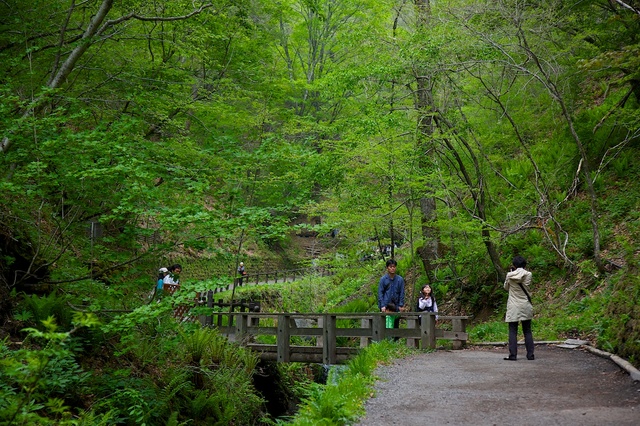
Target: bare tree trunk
{"x": 428, "y": 252}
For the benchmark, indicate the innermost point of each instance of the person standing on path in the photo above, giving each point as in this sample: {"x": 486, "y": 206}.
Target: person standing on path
{"x": 391, "y": 290}
{"x": 242, "y": 272}
{"x": 519, "y": 307}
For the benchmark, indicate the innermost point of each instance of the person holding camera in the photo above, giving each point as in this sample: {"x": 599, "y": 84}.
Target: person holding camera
{"x": 519, "y": 307}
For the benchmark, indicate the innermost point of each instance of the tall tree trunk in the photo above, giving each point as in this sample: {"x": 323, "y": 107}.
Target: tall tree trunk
{"x": 428, "y": 252}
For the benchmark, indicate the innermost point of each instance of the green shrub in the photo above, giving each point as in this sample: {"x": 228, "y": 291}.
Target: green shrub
{"x": 341, "y": 400}
{"x": 621, "y": 333}
{"x": 39, "y": 308}
{"x": 37, "y": 382}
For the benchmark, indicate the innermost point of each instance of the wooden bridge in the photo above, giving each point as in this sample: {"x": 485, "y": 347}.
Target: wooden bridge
{"x": 274, "y": 277}
{"x": 331, "y": 338}
{"x": 283, "y": 275}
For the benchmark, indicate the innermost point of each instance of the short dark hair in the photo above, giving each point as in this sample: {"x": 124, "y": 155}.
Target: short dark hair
{"x": 391, "y": 262}
{"x": 174, "y": 267}
{"x": 519, "y": 262}
{"x": 391, "y": 307}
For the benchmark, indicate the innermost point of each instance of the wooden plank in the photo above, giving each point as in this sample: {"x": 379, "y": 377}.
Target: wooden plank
{"x": 452, "y": 335}
{"x": 259, "y": 331}
{"x": 312, "y": 354}
{"x": 306, "y": 332}
{"x": 407, "y": 333}
{"x": 260, "y": 347}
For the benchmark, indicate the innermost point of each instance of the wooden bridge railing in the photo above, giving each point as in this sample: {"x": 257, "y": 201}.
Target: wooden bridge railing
{"x": 328, "y": 328}
{"x": 281, "y": 276}
{"x": 274, "y": 276}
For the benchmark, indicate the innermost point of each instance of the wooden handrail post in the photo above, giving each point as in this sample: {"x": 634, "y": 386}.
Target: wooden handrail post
{"x": 219, "y": 316}
{"x": 241, "y": 327}
{"x": 377, "y": 328}
{"x": 411, "y": 323}
{"x": 364, "y": 324}
{"x": 459, "y": 325}
{"x": 320, "y": 339}
{"x": 208, "y": 321}
{"x": 428, "y": 331}
{"x": 283, "y": 336}
{"x": 329, "y": 354}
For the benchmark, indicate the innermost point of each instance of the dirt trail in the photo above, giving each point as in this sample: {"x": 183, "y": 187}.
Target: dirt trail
{"x": 477, "y": 387}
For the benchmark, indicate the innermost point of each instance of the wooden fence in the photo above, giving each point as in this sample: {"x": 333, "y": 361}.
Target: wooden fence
{"x": 282, "y": 276}
{"x": 324, "y": 332}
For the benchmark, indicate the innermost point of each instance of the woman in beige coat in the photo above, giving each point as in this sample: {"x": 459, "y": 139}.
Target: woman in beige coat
{"x": 519, "y": 307}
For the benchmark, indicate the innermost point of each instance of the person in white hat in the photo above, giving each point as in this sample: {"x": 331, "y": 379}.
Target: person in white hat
{"x": 162, "y": 272}
{"x": 241, "y": 272}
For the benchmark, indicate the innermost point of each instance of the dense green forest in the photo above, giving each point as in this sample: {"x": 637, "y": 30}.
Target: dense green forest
{"x": 457, "y": 133}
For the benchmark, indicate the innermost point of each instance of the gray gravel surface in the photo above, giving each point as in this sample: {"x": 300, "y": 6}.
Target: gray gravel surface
{"x": 476, "y": 386}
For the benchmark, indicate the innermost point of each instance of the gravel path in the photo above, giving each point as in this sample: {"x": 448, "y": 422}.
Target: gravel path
{"x": 477, "y": 387}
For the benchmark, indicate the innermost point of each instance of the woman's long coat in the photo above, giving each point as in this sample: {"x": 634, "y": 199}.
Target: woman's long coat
{"x": 518, "y": 306}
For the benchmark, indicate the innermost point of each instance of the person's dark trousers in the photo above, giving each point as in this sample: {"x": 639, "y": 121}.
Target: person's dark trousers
{"x": 396, "y": 324}
{"x": 528, "y": 338}
{"x": 513, "y": 338}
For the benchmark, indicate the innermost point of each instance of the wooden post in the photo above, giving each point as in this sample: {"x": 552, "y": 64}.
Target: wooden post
{"x": 283, "y": 336}
{"x": 208, "y": 321}
{"x": 219, "y": 316}
{"x": 411, "y": 323}
{"x": 428, "y": 331}
{"x": 329, "y": 354}
{"x": 459, "y": 325}
{"x": 364, "y": 324}
{"x": 241, "y": 328}
{"x": 377, "y": 328}
{"x": 320, "y": 339}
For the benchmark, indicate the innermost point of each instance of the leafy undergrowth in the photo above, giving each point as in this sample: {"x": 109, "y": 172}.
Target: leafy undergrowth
{"x": 341, "y": 400}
